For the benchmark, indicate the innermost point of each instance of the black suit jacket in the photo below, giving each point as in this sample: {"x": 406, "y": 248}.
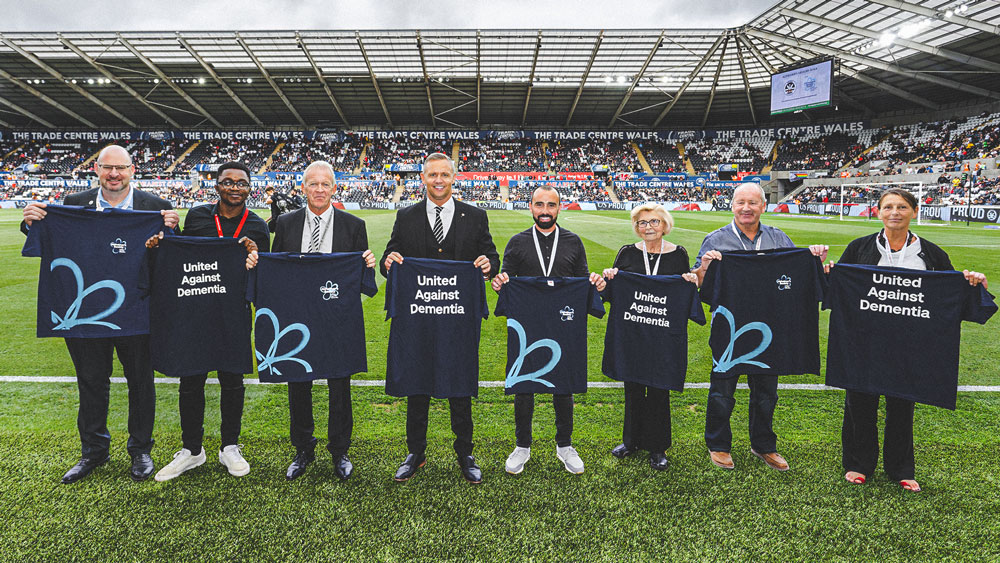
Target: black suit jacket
{"x": 470, "y": 225}
{"x": 349, "y": 232}
{"x": 141, "y": 201}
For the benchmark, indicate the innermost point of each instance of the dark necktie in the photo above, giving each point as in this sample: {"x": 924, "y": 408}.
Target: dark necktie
{"x": 438, "y": 225}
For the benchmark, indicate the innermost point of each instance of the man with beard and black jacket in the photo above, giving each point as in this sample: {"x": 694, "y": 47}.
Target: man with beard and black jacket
{"x": 545, "y": 250}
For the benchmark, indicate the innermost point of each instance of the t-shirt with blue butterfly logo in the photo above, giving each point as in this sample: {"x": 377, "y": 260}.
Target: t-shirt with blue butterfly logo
{"x": 547, "y": 333}
{"x": 765, "y": 314}
{"x": 88, "y": 282}
{"x": 309, "y": 323}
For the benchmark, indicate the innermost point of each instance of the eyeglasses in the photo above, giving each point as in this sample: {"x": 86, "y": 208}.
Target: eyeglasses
{"x": 650, "y": 223}
{"x": 242, "y": 184}
{"x": 118, "y": 167}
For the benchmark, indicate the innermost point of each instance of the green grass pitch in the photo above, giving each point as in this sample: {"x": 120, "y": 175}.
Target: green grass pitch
{"x": 619, "y": 510}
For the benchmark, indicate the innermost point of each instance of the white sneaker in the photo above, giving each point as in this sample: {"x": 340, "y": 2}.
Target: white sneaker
{"x": 570, "y": 459}
{"x": 183, "y": 460}
{"x": 517, "y": 459}
{"x": 232, "y": 458}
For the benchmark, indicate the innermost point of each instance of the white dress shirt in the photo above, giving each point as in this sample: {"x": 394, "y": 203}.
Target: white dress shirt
{"x": 447, "y": 214}
{"x": 325, "y": 225}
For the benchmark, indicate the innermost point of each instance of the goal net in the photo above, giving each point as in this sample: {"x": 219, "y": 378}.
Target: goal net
{"x": 861, "y": 200}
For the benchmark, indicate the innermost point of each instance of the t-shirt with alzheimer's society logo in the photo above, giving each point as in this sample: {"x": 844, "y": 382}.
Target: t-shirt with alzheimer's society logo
{"x": 309, "y": 323}
{"x": 765, "y": 311}
{"x": 88, "y": 282}
{"x": 547, "y": 333}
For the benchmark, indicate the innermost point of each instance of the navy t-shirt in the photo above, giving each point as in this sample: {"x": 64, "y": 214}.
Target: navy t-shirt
{"x": 88, "y": 282}
{"x": 646, "y": 339}
{"x": 437, "y": 308}
{"x": 309, "y": 324}
{"x": 764, "y": 311}
{"x": 199, "y": 317}
{"x": 547, "y": 333}
{"x": 896, "y": 331}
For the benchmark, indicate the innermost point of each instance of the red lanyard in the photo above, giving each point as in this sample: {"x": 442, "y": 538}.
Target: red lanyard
{"x": 218, "y": 226}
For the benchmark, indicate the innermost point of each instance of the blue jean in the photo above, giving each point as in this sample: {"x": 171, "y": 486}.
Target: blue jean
{"x": 763, "y": 399}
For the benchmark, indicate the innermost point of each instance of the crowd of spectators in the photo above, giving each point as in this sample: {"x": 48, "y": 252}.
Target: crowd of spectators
{"x": 663, "y": 157}
{"x": 506, "y": 155}
{"x": 294, "y": 156}
{"x": 401, "y": 150}
{"x": 577, "y": 156}
{"x": 750, "y": 154}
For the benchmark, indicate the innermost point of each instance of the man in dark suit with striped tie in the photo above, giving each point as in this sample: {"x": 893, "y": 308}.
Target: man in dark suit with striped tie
{"x": 442, "y": 228}
{"x": 320, "y": 227}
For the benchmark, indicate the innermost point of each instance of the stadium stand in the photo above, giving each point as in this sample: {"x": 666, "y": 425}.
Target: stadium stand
{"x": 509, "y": 155}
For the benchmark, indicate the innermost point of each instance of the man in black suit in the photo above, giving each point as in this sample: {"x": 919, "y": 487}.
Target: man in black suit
{"x": 320, "y": 227}
{"x": 92, "y": 357}
{"x": 442, "y": 228}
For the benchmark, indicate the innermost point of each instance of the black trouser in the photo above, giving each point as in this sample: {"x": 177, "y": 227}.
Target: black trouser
{"x": 647, "y": 418}
{"x": 92, "y": 358}
{"x": 417, "y": 407}
{"x": 524, "y": 411}
{"x": 339, "y": 424}
{"x": 860, "y": 435}
{"x": 191, "y": 400}
{"x": 763, "y": 399}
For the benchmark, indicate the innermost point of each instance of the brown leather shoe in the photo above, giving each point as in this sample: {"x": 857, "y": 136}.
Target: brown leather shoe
{"x": 773, "y": 460}
{"x": 722, "y": 459}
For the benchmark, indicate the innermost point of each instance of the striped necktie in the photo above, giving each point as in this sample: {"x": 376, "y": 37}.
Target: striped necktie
{"x": 438, "y": 225}
{"x": 314, "y": 239}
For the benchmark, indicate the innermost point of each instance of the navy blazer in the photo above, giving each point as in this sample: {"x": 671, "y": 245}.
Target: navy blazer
{"x": 349, "y": 232}
{"x": 470, "y": 225}
{"x": 141, "y": 201}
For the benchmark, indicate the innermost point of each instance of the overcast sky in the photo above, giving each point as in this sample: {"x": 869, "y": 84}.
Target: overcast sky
{"x": 182, "y": 15}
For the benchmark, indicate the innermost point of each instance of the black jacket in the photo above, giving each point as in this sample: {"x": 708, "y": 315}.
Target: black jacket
{"x": 349, "y": 232}
{"x": 864, "y": 251}
{"x": 141, "y": 201}
{"x": 470, "y": 225}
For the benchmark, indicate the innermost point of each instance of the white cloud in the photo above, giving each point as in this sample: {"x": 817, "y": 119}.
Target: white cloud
{"x": 185, "y": 15}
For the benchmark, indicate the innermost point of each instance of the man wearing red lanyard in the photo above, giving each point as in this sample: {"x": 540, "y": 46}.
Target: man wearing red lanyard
{"x": 229, "y": 217}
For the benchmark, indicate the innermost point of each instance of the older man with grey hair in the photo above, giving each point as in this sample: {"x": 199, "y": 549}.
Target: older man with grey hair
{"x": 321, "y": 227}
{"x": 745, "y": 232}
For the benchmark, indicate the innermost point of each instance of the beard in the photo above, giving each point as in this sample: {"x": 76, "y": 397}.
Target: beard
{"x": 545, "y": 221}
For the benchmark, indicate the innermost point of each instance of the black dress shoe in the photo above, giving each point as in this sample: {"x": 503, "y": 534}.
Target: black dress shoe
{"x": 302, "y": 460}
{"x": 622, "y": 451}
{"x": 658, "y": 461}
{"x": 470, "y": 470}
{"x": 83, "y": 468}
{"x": 142, "y": 467}
{"x": 342, "y": 467}
{"x": 410, "y": 466}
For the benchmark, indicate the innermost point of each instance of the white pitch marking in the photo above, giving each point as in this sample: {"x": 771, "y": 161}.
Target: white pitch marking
{"x": 484, "y": 384}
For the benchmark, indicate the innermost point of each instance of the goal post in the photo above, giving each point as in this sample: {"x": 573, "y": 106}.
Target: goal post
{"x": 872, "y": 191}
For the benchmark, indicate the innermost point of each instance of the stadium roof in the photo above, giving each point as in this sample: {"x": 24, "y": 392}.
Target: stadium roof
{"x": 893, "y": 55}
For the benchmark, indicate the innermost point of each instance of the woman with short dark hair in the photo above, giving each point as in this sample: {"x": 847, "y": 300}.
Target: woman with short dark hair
{"x": 893, "y": 246}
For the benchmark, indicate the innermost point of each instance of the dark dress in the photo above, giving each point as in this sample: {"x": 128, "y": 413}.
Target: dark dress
{"x": 647, "y": 409}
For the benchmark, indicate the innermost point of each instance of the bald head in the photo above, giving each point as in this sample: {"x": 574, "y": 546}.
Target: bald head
{"x": 117, "y": 151}
{"x": 114, "y": 172}
{"x": 748, "y": 205}
{"x": 750, "y": 189}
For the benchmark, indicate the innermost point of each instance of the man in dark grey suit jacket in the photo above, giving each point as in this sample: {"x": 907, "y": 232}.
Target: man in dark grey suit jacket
{"x": 442, "y": 228}
{"x": 92, "y": 357}
{"x": 320, "y": 227}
